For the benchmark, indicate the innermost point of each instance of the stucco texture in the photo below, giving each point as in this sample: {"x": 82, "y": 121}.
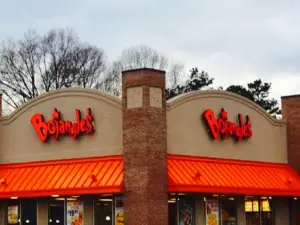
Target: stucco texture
{"x": 188, "y": 134}
{"x": 19, "y": 141}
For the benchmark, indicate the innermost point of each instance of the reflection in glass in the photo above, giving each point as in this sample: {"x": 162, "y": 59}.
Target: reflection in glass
{"x": 103, "y": 211}
{"x": 29, "y": 211}
{"x": 229, "y": 210}
{"x": 172, "y": 209}
{"x": 186, "y": 210}
{"x": 56, "y": 212}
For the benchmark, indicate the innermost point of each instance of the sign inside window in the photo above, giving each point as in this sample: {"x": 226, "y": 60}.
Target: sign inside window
{"x": 75, "y": 212}
{"x": 222, "y": 127}
{"x": 56, "y": 126}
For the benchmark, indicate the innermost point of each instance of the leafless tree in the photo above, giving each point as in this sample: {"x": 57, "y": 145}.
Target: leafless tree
{"x": 175, "y": 74}
{"x": 37, "y": 64}
{"x": 140, "y": 56}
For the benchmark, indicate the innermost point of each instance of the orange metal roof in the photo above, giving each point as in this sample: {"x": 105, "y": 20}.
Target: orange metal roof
{"x": 62, "y": 177}
{"x": 103, "y": 175}
{"x": 195, "y": 174}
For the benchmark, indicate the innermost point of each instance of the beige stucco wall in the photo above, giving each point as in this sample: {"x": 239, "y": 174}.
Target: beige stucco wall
{"x": 187, "y": 133}
{"x": 19, "y": 141}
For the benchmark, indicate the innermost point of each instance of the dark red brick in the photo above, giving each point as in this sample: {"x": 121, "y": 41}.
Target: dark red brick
{"x": 145, "y": 153}
{"x": 291, "y": 113}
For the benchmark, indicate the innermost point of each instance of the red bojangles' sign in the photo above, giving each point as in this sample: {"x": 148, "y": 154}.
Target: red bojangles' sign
{"x": 224, "y": 128}
{"x": 56, "y": 126}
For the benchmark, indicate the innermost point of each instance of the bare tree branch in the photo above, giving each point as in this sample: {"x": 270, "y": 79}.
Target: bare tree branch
{"x": 38, "y": 64}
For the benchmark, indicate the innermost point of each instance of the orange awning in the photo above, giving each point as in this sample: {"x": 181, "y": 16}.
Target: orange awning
{"x": 206, "y": 175}
{"x": 62, "y": 177}
{"x": 102, "y": 175}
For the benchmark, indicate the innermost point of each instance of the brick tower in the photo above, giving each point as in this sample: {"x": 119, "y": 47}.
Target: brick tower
{"x": 145, "y": 147}
{"x": 291, "y": 112}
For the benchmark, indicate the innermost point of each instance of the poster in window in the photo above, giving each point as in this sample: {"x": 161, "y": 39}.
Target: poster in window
{"x": 75, "y": 212}
{"x": 185, "y": 213}
{"x": 212, "y": 212}
{"x": 119, "y": 211}
{"x": 13, "y": 214}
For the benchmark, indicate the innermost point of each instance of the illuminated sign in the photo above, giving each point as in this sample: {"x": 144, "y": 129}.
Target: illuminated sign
{"x": 222, "y": 127}
{"x": 57, "y": 126}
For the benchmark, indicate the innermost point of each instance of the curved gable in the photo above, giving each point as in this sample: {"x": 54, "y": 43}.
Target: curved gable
{"x": 20, "y": 142}
{"x": 188, "y": 133}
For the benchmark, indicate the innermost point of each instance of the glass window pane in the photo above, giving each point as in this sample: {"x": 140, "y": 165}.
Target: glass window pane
{"x": 13, "y": 212}
{"x": 29, "y": 211}
{"x": 266, "y": 211}
{"x": 172, "y": 209}
{"x": 103, "y": 211}
{"x": 119, "y": 210}
{"x": 212, "y": 210}
{"x": 228, "y": 210}
{"x": 186, "y": 210}
{"x": 57, "y": 212}
{"x": 252, "y": 211}
{"x": 74, "y": 211}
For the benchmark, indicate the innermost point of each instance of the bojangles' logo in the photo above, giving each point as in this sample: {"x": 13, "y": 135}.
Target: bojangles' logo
{"x": 56, "y": 126}
{"x": 224, "y": 128}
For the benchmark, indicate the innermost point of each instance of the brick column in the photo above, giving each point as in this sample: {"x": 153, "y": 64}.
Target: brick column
{"x": 145, "y": 147}
{"x": 291, "y": 112}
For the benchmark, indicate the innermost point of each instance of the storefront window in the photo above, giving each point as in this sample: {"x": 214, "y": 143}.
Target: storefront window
{"x": 103, "y": 211}
{"x": 212, "y": 210}
{"x": 74, "y": 211}
{"x": 13, "y": 212}
{"x": 186, "y": 210}
{"x": 57, "y": 211}
{"x": 119, "y": 210}
{"x": 29, "y": 211}
{"x": 258, "y": 211}
{"x": 20, "y": 212}
{"x": 172, "y": 209}
{"x": 228, "y": 210}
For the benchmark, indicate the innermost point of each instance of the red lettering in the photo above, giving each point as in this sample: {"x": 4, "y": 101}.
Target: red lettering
{"x": 40, "y": 126}
{"x": 224, "y": 128}
{"x": 57, "y": 127}
{"x": 212, "y": 123}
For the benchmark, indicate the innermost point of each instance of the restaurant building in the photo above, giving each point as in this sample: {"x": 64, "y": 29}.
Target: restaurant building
{"x": 83, "y": 157}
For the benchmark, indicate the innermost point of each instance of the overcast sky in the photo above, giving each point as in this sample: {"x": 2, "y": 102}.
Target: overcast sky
{"x": 235, "y": 41}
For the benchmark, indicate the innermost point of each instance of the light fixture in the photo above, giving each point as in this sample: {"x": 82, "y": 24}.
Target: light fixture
{"x": 27, "y": 221}
{"x": 75, "y": 196}
{"x": 71, "y": 199}
{"x": 57, "y": 221}
{"x": 231, "y": 199}
{"x": 181, "y": 194}
{"x": 171, "y": 201}
{"x": 263, "y": 197}
{"x": 105, "y": 199}
{"x": 59, "y": 199}
{"x": 55, "y": 196}
{"x": 270, "y": 197}
{"x": 107, "y": 218}
{"x": 215, "y": 195}
{"x": 50, "y": 220}
{"x": 204, "y": 199}
{"x": 295, "y": 198}
{"x": 13, "y": 197}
